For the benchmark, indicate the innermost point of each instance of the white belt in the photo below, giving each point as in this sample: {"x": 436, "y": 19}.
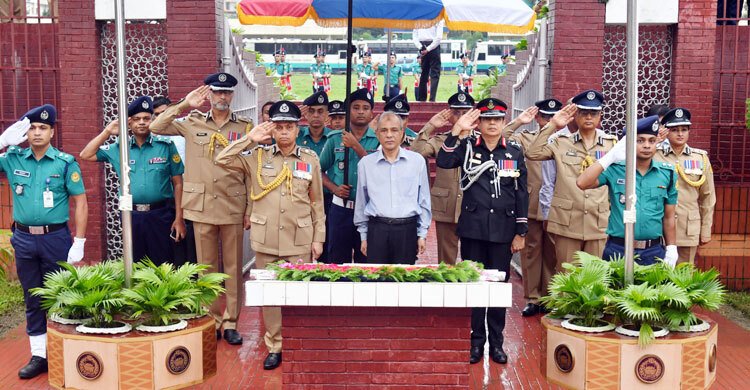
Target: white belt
{"x": 349, "y": 204}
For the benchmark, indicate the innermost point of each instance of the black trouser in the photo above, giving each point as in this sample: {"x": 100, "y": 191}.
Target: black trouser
{"x": 151, "y": 231}
{"x": 184, "y": 250}
{"x": 494, "y": 256}
{"x": 392, "y": 241}
{"x": 327, "y": 199}
{"x": 430, "y": 70}
{"x": 344, "y": 242}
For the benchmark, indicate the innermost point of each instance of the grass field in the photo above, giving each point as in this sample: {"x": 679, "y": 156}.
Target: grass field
{"x": 302, "y": 86}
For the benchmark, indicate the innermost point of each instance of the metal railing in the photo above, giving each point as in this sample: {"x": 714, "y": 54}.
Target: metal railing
{"x": 241, "y": 64}
{"x": 531, "y": 80}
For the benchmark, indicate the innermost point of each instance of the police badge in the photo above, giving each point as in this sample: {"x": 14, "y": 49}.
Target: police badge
{"x": 222, "y": 77}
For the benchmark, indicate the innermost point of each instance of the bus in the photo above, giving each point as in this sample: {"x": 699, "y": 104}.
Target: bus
{"x": 488, "y": 55}
{"x": 300, "y": 52}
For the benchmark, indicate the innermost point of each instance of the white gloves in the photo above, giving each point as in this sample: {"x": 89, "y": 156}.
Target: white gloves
{"x": 75, "y": 254}
{"x": 616, "y": 154}
{"x": 15, "y": 134}
{"x": 671, "y": 256}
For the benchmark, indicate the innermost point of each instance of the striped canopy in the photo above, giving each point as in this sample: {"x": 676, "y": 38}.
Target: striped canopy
{"x": 502, "y": 16}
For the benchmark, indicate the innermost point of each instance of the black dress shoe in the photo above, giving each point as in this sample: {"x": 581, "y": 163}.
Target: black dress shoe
{"x": 544, "y": 309}
{"x": 272, "y": 361}
{"x": 498, "y": 355}
{"x": 475, "y": 354}
{"x": 530, "y": 310}
{"x": 232, "y": 336}
{"x": 37, "y": 365}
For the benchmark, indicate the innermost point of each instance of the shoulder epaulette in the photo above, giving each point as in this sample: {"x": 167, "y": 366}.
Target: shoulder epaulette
{"x": 307, "y": 150}
{"x": 667, "y": 165}
{"x": 334, "y": 132}
{"x": 514, "y": 143}
{"x": 160, "y": 138}
{"x": 14, "y": 149}
{"x": 197, "y": 113}
{"x": 65, "y": 157}
{"x": 699, "y": 151}
{"x": 245, "y": 119}
{"x": 609, "y": 136}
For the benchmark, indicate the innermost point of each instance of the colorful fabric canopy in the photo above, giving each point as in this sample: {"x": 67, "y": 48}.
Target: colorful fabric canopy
{"x": 503, "y": 16}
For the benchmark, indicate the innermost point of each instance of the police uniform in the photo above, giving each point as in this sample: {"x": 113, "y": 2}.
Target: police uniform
{"x": 445, "y": 194}
{"x": 287, "y": 210}
{"x": 696, "y": 191}
{"x": 213, "y": 197}
{"x": 41, "y": 190}
{"x": 320, "y": 83}
{"x": 344, "y": 238}
{"x": 538, "y": 255}
{"x": 464, "y": 72}
{"x": 152, "y": 167}
{"x": 394, "y": 87}
{"x": 654, "y": 189}
{"x": 399, "y": 105}
{"x": 364, "y": 74}
{"x": 577, "y": 218}
{"x": 306, "y": 140}
{"x": 493, "y": 212}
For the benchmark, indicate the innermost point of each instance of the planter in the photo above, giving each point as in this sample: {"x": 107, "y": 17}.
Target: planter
{"x": 699, "y": 327}
{"x": 67, "y": 321}
{"x": 181, "y": 324}
{"x": 604, "y": 327}
{"x": 623, "y": 330}
{"x": 121, "y": 328}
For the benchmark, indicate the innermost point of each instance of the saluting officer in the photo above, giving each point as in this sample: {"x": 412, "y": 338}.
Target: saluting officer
{"x": 213, "y": 197}
{"x": 493, "y": 221}
{"x": 399, "y": 105}
{"x": 538, "y": 256}
{"x": 42, "y": 179}
{"x": 695, "y": 210}
{"x": 155, "y": 182}
{"x": 344, "y": 241}
{"x": 445, "y": 195}
{"x": 577, "y": 218}
{"x": 655, "y": 188}
{"x": 287, "y": 215}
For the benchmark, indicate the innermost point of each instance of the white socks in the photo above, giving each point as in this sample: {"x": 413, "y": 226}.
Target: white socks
{"x": 39, "y": 345}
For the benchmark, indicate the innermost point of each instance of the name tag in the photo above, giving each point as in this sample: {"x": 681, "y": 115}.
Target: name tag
{"x": 21, "y": 173}
{"x": 202, "y": 134}
{"x": 571, "y": 153}
{"x": 620, "y": 181}
{"x": 157, "y": 160}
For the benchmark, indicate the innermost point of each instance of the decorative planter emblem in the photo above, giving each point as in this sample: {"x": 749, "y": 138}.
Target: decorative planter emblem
{"x": 89, "y": 366}
{"x": 178, "y": 360}
{"x": 712, "y": 359}
{"x": 564, "y": 358}
{"x": 649, "y": 369}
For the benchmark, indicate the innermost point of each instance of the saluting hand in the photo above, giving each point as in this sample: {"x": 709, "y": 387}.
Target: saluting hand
{"x": 15, "y": 134}
{"x": 528, "y": 115}
{"x": 663, "y": 132}
{"x": 261, "y": 133}
{"x": 465, "y": 123}
{"x": 198, "y": 96}
{"x": 374, "y": 122}
{"x": 564, "y": 116}
{"x": 113, "y": 128}
{"x": 304, "y": 109}
{"x": 440, "y": 119}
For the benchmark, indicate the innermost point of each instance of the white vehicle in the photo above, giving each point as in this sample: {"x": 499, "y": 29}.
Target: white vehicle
{"x": 489, "y": 54}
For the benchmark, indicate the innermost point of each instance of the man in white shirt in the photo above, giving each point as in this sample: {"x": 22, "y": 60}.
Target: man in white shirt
{"x": 427, "y": 41}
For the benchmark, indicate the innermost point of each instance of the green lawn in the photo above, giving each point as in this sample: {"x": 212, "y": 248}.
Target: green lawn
{"x": 302, "y": 86}
{"x": 740, "y": 301}
{"x": 11, "y": 296}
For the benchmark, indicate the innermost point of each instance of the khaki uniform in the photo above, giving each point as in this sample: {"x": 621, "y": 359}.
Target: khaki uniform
{"x": 577, "y": 219}
{"x": 445, "y": 195}
{"x": 538, "y": 255}
{"x": 288, "y": 218}
{"x": 695, "y": 205}
{"x": 213, "y": 197}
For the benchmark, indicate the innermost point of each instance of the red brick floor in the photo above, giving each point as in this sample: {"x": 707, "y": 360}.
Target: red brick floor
{"x": 242, "y": 367}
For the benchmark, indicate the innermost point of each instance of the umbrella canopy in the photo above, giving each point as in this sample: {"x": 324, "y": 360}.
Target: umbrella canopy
{"x": 506, "y": 16}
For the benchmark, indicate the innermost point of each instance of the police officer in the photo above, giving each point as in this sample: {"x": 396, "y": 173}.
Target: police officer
{"x": 344, "y": 240}
{"x": 655, "y": 188}
{"x": 155, "y": 182}
{"x": 695, "y": 189}
{"x": 366, "y": 73}
{"x": 337, "y": 115}
{"x": 465, "y": 72}
{"x": 42, "y": 179}
{"x": 399, "y": 105}
{"x": 321, "y": 73}
{"x": 577, "y": 218}
{"x": 394, "y": 83}
{"x": 445, "y": 195}
{"x": 493, "y": 221}
{"x": 287, "y": 215}
{"x": 213, "y": 197}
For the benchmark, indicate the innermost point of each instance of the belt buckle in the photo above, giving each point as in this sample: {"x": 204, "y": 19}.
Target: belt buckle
{"x": 143, "y": 207}
{"x": 36, "y": 229}
{"x": 639, "y": 244}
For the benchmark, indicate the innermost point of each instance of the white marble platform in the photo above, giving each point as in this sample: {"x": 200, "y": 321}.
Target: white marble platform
{"x": 376, "y": 294}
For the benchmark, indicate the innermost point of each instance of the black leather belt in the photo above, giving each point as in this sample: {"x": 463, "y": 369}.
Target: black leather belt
{"x": 426, "y": 43}
{"x": 394, "y": 221}
{"x": 637, "y": 244}
{"x": 44, "y": 229}
{"x": 143, "y": 207}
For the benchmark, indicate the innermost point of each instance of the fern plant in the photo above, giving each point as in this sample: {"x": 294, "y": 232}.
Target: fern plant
{"x": 582, "y": 290}
{"x": 703, "y": 288}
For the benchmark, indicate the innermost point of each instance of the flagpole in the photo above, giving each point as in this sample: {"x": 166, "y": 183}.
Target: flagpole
{"x": 631, "y": 107}
{"x": 348, "y": 85}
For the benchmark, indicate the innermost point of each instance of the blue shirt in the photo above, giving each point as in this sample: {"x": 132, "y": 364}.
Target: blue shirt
{"x": 653, "y": 190}
{"x": 389, "y": 189}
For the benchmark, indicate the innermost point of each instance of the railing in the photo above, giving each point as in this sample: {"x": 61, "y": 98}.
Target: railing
{"x": 241, "y": 64}
{"x": 531, "y": 80}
